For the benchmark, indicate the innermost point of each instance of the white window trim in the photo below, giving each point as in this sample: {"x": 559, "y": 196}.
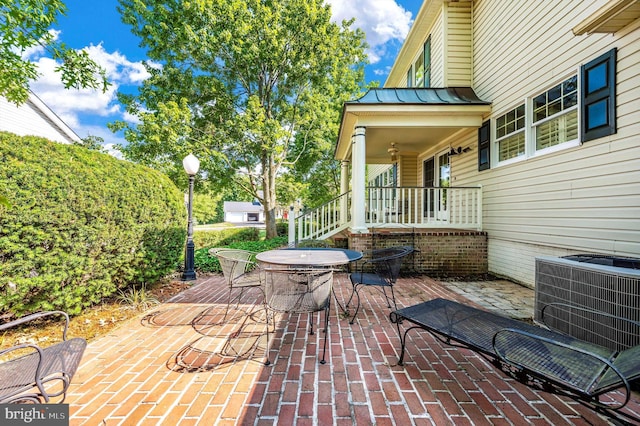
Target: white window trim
{"x": 529, "y": 129}
{"x": 496, "y": 141}
{"x": 555, "y": 148}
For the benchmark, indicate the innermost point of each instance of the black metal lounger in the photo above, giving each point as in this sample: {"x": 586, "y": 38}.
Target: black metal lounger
{"x": 33, "y": 374}
{"x": 535, "y": 355}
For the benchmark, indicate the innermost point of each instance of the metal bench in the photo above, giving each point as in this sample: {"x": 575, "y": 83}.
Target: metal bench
{"x": 535, "y": 355}
{"x": 31, "y": 373}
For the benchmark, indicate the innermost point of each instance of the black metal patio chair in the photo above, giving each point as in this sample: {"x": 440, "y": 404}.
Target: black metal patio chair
{"x": 380, "y": 270}
{"x": 534, "y": 355}
{"x": 32, "y": 373}
{"x": 240, "y": 272}
{"x": 300, "y": 291}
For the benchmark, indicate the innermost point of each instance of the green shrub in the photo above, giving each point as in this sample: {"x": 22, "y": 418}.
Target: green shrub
{"x": 282, "y": 228}
{"x": 81, "y": 225}
{"x": 204, "y": 262}
{"x": 224, "y": 237}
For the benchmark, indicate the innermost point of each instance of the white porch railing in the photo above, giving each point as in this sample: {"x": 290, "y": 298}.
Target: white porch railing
{"x": 420, "y": 207}
{"x": 324, "y": 221}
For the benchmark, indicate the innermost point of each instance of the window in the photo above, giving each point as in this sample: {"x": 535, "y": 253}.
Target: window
{"x": 555, "y": 115}
{"x": 419, "y": 67}
{"x": 578, "y": 109}
{"x": 427, "y": 63}
{"x": 510, "y": 134}
{"x": 484, "y": 146}
{"x": 598, "y": 97}
{"x": 387, "y": 178}
{"x": 419, "y": 74}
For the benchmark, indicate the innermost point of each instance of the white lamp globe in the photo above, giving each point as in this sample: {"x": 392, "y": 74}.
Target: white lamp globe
{"x": 191, "y": 164}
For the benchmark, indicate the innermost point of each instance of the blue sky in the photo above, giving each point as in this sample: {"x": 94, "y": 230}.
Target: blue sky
{"x": 96, "y": 26}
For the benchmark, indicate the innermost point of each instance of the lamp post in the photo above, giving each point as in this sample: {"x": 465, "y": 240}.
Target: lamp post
{"x": 191, "y": 165}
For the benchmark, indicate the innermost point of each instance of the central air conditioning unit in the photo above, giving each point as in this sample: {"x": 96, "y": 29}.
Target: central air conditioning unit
{"x": 603, "y": 283}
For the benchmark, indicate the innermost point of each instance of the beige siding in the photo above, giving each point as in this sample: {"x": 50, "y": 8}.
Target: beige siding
{"x": 585, "y": 198}
{"x": 408, "y": 171}
{"x": 451, "y": 47}
{"x": 437, "y": 54}
{"x": 516, "y": 260}
{"x": 581, "y": 199}
{"x": 458, "y": 45}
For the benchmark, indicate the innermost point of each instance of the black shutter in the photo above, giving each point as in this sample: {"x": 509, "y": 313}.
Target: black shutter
{"x": 484, "y": 146}
{"x": 598, "y": 97}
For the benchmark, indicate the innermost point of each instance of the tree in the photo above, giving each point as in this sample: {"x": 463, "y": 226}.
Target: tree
{"x": 25, "y": 24}
{"x": 251, "y": 87}
{"x": 92, "y": 142}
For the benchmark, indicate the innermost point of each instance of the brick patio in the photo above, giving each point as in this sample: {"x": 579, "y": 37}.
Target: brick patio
{"x": 174, "y": 367}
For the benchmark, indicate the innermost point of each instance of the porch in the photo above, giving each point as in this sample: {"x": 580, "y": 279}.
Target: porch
{"x": 443, "y": 224}
{"x": 392, "y": 207}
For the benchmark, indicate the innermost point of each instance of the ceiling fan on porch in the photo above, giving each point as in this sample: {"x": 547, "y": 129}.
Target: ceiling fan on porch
{"x": 393, "y": 151}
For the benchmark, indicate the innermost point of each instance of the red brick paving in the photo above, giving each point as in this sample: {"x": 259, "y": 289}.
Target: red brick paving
{"x": 177, "y": 366}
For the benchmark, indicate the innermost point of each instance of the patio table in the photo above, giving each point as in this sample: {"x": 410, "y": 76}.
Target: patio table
{"x": 309, "y": 257}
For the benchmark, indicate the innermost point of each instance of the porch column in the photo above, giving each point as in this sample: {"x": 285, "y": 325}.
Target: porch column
{"x": 358, "y": 181}
{"x": 344, "y": 187}
{"x": 292, "y": 227}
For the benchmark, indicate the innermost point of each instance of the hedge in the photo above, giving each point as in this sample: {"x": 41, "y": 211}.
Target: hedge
{"x": 223, "y": 237}
{"x": 205, "y": 262}
{"x": 81, "y": 225}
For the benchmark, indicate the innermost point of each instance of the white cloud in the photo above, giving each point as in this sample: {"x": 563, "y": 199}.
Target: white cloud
{"x": 119, "y": 69}
{"x": 111, "y": 149}
{"x": 130, "y": 118}
{"x": 72, "y": 105}
{"x": 383, "y": 21}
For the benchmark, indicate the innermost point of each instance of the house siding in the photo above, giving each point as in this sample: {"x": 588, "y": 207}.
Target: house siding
{"x": 33, "y": 118}
{"x": 581, "y": 199}
{"x": 437, "y": 53}
{"x": 458, "y": 45}
{"x": 408, "y": 171}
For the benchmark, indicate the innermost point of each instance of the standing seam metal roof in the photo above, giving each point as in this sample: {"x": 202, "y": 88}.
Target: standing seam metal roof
{"x": 420, "y": 96}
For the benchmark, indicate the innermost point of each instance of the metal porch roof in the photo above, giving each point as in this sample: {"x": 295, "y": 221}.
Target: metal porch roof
{"x": 420, "y": 96}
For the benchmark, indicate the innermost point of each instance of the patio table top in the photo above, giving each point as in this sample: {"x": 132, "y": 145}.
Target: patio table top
{"x": 309, "y": 257}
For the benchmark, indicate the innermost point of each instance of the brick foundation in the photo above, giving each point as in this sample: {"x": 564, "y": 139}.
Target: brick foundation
{"x": 444, "y": 252}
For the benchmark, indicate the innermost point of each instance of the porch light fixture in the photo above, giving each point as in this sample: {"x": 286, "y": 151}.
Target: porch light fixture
{"x": 191, "y": 165}
{"x": 459, "y": 150}
{"x": 394, "y": 152}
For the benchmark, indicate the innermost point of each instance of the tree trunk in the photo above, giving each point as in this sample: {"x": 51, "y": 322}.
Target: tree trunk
{"x": 270, "y": 202}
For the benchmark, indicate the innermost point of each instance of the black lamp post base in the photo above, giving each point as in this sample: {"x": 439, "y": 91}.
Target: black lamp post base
{"x": 189, "y": 273}
{"x": 188, "y": 276}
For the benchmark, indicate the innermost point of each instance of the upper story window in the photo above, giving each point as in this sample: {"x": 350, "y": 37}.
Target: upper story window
{"x": 576, "y": 110}
{"x": 555, "y": 115}
{"x": 427, "y": 63}
{"x": 419, "y": 73}
{"x": 419, "y": 67}
{"x": 510, "y": 134}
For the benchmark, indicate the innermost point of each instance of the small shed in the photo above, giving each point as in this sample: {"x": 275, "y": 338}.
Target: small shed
{"x": 243, "y": 211}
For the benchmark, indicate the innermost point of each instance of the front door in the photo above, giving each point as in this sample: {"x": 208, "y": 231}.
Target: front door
{"x": 436, "y": 172}
{"x": 444, "y": 180}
